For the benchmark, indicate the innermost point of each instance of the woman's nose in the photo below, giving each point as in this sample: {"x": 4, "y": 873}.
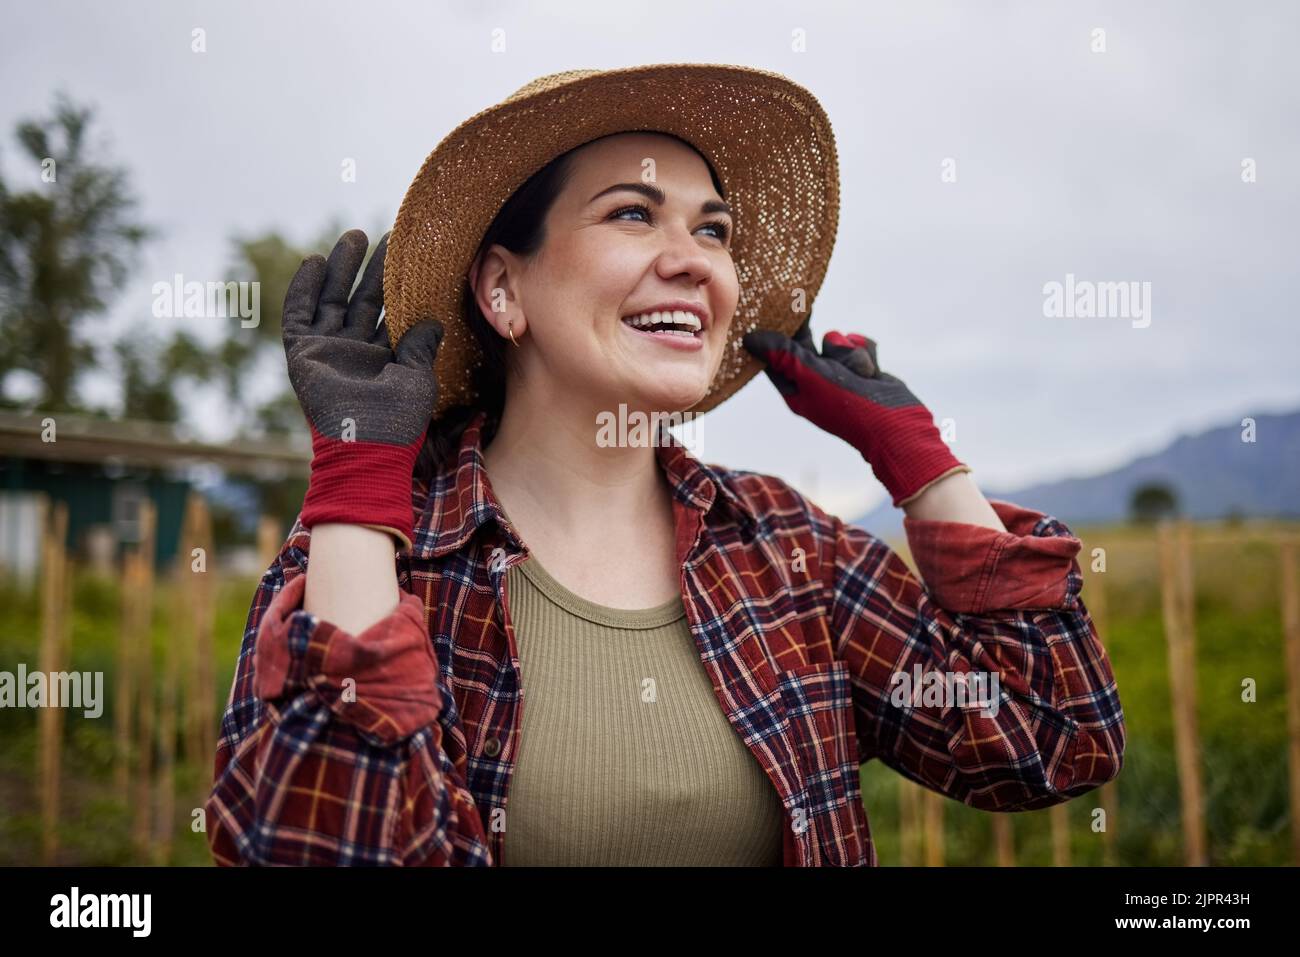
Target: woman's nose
{"x": 682, "y": 254}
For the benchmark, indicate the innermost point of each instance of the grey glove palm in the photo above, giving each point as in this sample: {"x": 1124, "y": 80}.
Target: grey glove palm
{"x": 368, "y": 406}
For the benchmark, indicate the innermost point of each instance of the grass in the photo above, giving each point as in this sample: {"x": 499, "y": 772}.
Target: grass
{"x": 94, "y": 822}
{"x": 1243, "y": 744}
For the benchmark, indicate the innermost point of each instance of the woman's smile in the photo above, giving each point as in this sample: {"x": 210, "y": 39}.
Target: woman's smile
{"x": 676, "y": 330}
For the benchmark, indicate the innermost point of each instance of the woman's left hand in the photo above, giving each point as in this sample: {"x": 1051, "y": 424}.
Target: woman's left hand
{"x": 844, "y": 392}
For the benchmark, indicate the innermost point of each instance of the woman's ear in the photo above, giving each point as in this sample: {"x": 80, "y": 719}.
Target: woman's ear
{"x": 475, "y": 273}
{"x": 494, "y": 291}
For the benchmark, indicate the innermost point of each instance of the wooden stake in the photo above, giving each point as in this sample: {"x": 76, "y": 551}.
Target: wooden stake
{"x": 124, "y": 697}
{"x": 205, "y": 703}
{"x": 1110, "y": 808}
{"x": 176, "y": 647}
{"x": 195, "y": 580}
{"x": 184, "y": 633}
{"x": 53, "y": 658}
{"x": 1060, "y": 818}
{"x": 1175, "y": 578}
{"x": 908, "y": 826}
{"x": 268, "y": 539}
{"x": 1291, "y": 642}
{"x": 1004, "y": 841}
{"x": 934, "y": 846}
{"x": 1095, "y": 600}
{"x": 142, "y": 826}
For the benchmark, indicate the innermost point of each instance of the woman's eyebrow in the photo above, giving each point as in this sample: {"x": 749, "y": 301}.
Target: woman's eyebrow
{"x": 656, "y": 195}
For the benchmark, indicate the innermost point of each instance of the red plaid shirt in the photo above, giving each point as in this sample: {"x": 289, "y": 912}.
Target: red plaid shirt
{"x": 396, "y": 746}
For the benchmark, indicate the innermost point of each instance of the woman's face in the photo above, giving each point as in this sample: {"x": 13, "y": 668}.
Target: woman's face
{"x": 604, "y": 260}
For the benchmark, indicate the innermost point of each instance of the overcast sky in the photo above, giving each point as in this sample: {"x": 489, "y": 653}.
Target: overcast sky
{"x": 1122, "y": 165}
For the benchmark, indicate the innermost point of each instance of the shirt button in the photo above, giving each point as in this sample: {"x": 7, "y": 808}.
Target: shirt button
{"x": 492, "y": 747}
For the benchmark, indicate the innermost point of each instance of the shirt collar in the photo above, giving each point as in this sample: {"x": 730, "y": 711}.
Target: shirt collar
{"x": 461, "y": 499}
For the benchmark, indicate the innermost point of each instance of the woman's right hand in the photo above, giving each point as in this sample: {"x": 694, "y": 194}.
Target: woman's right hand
{"x": 368, "y": 406}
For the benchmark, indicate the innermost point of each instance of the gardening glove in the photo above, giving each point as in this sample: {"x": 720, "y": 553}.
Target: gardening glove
{"x": 368, "y": 407}
{"x": 843, "y": 392}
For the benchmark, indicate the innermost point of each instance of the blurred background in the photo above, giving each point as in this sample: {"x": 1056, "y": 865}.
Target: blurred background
{"x": 164, "y": 168}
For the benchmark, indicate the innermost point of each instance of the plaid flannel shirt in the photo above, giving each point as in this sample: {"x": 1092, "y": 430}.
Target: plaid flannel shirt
{"x": 396, "y": 746}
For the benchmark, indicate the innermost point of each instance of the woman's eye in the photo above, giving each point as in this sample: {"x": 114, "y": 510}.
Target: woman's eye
{"x": 631, "y": 209}
{"x": 721, "y": 230}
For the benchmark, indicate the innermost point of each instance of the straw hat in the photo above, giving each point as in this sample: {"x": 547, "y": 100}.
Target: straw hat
{"x": 768, "y": 139}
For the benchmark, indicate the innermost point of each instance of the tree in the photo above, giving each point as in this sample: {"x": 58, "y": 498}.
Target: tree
{"x": 1152, "y": 502}
{"x": 65, "y": 248}
{"x": 150, "y": 372}
{"x": 270, "y": 260}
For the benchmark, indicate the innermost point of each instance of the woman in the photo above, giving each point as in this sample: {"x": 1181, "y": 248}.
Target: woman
{"x": 709, "y": 657}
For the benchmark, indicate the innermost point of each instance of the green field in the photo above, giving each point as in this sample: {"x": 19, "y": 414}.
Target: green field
{"x": 1243, "y": 745}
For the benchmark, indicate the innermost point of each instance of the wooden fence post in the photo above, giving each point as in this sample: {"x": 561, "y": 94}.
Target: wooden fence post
{"x": 934, "y": 846}
{"x": 1177, "y": 596}
{"x": 142, "y": 638}
{"x": 1110, "y": 812}
{"x": 193, "y": 638}
{"x": 177, "y": 652}
{"x": 204, "y": 713}
{"x": 53, "y": 657}
{"x": 1094, "y": 597}
{"x": 1004, "y": 841}
{"x": 200, "y": 589}
{"x": 1291, "y": 644}
{"x": 268, "y": 539}
{"x": 124, "y": 694}
{"x": 909, "y": 830}
{"x": 165, "y": 782}
{"x": 1060, "y": 818}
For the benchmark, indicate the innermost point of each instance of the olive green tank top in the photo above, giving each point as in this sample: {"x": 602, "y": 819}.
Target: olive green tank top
{"x": 625, "y": 755}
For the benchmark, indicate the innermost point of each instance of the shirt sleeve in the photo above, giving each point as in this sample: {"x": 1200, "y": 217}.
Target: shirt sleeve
{"x": 923, "y": 655}
{"x": 339, "y": 749}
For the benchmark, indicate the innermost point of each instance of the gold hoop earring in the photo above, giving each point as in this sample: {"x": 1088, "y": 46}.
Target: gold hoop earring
{"x": 510, "y": 324}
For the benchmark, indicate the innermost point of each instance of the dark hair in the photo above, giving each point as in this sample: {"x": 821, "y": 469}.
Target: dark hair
{"x": 520, "y": 227}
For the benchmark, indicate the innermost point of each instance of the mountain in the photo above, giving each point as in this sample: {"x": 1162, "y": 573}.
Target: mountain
{"x": 1213, "y": 473}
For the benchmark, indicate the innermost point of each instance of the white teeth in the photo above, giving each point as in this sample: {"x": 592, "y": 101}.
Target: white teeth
{"x": 689, "y": 321}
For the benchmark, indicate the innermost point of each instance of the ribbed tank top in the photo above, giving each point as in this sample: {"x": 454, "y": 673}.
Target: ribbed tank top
{"x": 625, "y": 755}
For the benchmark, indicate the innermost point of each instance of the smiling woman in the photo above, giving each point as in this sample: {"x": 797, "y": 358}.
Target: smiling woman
{"x": 602, "y": 260}
{"x": 517, "y": 234}
{"x": 708, "y": 656}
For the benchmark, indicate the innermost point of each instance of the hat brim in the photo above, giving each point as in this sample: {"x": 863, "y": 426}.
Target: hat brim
{"x": 769, "y": 141}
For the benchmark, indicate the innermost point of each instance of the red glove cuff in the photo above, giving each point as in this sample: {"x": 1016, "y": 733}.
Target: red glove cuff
{"x": 362, "y": 483}
{"x": 911, "y": 454}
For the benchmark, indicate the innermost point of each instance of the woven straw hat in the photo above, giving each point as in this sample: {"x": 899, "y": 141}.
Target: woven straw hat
{"x": 768, "y": 139}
